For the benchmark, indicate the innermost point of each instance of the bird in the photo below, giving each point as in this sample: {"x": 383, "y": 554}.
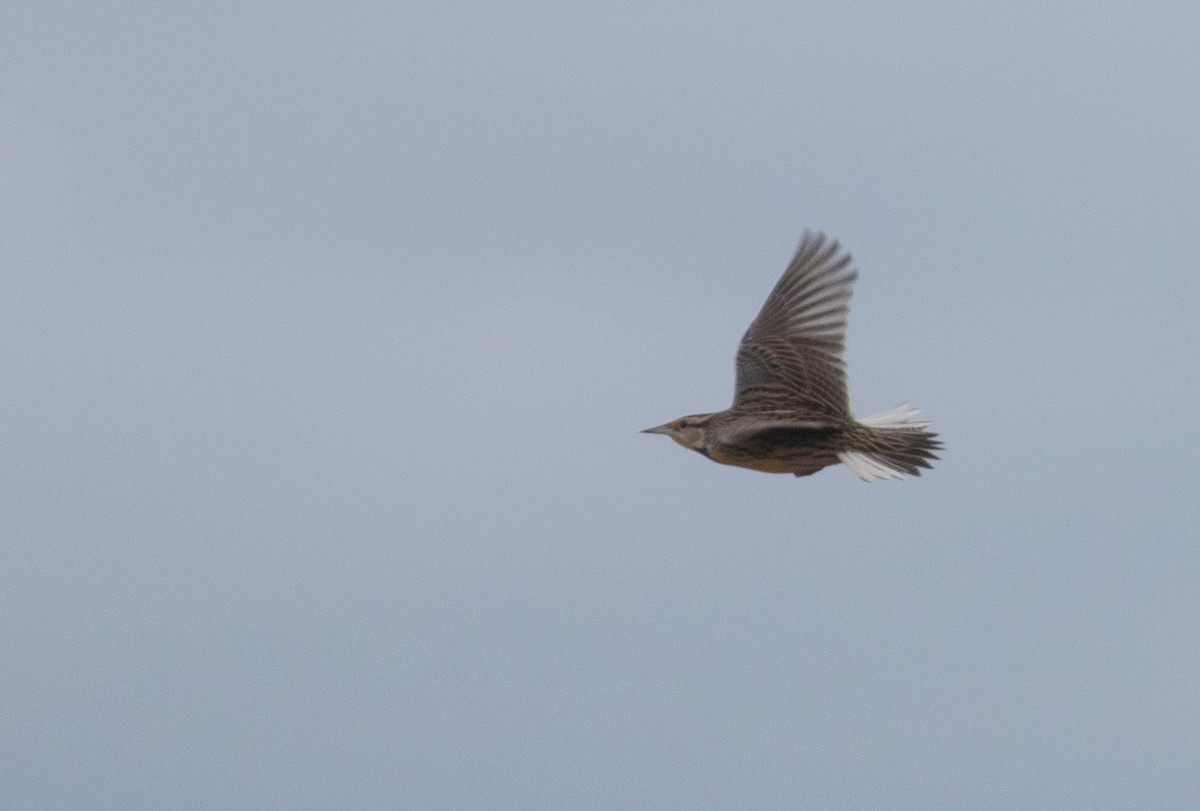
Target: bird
{"x": 791, "y": 406}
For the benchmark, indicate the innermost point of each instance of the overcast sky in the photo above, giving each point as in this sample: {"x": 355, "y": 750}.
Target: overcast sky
{"x": 327, "y": 330}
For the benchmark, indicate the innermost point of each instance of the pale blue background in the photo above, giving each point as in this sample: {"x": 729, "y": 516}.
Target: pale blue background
{"x": 326, "y": 331}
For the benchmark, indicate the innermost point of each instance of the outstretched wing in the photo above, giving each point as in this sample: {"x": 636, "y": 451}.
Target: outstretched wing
{"x": 790, "y": 360}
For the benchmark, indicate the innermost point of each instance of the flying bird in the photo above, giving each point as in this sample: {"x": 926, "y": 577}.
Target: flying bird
{"x": 791, "y": 409}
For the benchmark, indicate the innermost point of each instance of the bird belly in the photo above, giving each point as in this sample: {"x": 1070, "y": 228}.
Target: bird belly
{"x": 799, "y": 464}
{"x": 762, "y": 464}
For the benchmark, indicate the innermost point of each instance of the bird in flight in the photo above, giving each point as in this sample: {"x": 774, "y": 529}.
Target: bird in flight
{"x": 791, "y": 410}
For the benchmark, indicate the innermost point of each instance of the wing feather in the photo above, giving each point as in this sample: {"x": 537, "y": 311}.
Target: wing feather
{"x": 790, "y": 358}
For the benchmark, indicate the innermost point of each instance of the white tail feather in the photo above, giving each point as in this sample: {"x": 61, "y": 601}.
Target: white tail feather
{"x": 868, "y": 467}
{"x": 898, "y": 417}
{"x": 871, "y": 466}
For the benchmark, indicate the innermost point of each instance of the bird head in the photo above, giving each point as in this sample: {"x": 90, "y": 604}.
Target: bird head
{"x": 687, "y": 431}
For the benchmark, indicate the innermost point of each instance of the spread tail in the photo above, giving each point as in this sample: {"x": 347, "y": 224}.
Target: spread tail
{"x": 891, "y": 446}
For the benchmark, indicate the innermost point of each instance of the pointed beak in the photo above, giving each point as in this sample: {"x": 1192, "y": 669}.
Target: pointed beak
{"x": 658, "y": 429}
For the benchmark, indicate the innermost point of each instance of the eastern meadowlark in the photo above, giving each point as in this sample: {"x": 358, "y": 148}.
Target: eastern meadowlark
{"x": 791, "y": 411}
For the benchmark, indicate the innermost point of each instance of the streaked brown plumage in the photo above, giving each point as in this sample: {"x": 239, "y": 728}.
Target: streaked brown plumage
{"x": 791, "y": 410}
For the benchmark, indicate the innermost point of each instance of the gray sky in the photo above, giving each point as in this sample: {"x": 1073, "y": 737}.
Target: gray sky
{"x": 326, "y": 331}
